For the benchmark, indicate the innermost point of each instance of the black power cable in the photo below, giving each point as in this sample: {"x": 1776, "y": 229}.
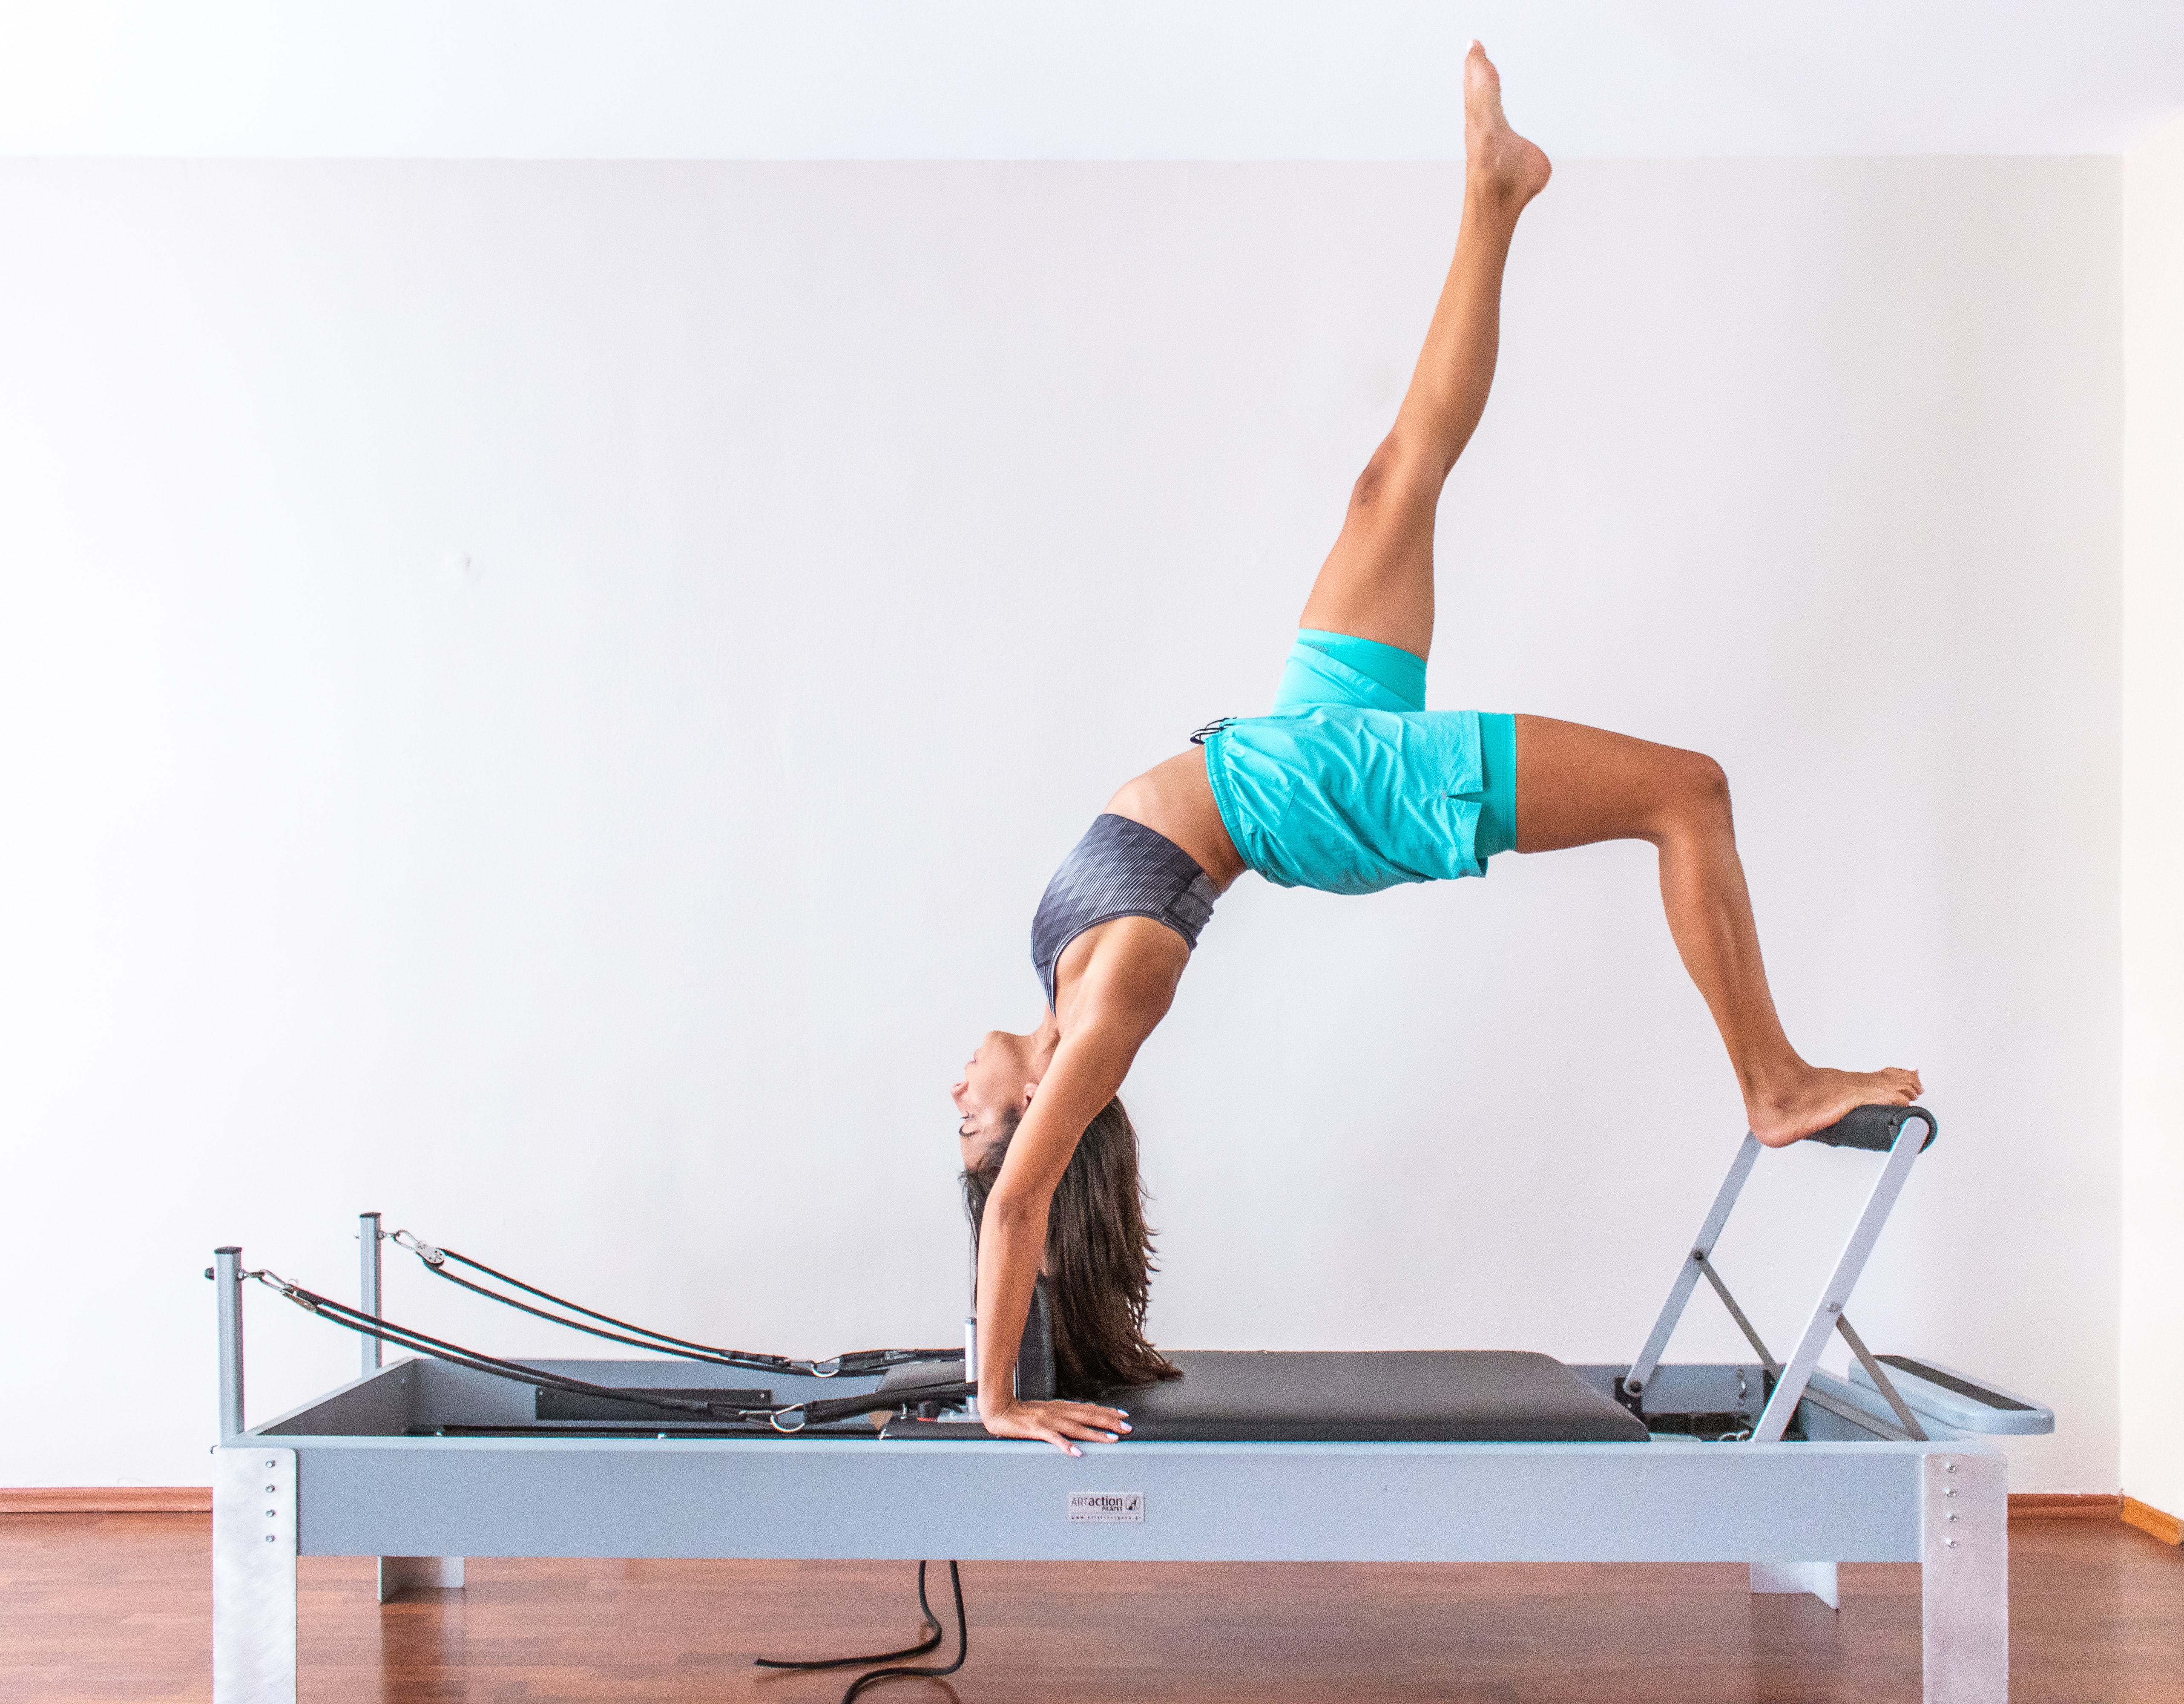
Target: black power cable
{"x": 931, "y": 1642}
{"x": 963, "y": 1648}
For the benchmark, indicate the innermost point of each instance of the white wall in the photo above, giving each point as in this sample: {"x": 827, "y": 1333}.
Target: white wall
{"x": 1276, "y": 80}
{"x": 540, "y": 699}
{"x": 2153, "y": 1317}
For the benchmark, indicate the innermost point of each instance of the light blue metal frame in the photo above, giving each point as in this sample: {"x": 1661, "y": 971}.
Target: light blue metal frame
{"x": 375, "y": 1492}
{"x": 342, "y": 1475}
{"x": 341, "y": 1479}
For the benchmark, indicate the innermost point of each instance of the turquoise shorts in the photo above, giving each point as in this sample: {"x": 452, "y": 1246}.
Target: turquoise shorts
{"x": 1352, "y": 786}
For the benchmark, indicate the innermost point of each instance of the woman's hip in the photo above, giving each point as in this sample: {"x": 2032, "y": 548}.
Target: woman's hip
{"x": 1350, "y": 800}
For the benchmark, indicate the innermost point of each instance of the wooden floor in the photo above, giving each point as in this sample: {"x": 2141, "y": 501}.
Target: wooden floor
{"x": 115, "y": 1608}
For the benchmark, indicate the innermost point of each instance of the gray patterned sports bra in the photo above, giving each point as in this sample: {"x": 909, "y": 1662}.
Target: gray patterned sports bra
{"x": 1120, "y": 869}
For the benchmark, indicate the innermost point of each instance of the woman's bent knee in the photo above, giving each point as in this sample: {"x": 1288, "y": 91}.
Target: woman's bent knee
{"x": 1696, "y": 790}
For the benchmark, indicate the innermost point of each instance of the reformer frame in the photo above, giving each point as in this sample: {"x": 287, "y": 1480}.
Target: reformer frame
{"x": 346, "y": 1475}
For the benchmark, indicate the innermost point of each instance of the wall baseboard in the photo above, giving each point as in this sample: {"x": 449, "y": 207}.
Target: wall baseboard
{"x": 2146, "y": 1518}
{"x": 108, "y": 1499}
{"x": 2065, "y": 1506}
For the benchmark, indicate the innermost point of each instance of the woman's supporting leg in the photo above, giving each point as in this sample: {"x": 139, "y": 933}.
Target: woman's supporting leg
{"x": 1576, "y": 786}
{"x": 1378, "y": 581}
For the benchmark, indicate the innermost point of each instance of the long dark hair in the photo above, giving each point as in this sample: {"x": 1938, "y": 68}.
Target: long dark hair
{"x": 1099, "y": 1260}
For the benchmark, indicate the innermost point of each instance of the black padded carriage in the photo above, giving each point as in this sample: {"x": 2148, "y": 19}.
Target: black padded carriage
{"x": 1391, "y": 1396}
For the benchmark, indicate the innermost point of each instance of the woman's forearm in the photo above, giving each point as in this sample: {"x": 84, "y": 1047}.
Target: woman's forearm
{"x": 1010, "y": 1245}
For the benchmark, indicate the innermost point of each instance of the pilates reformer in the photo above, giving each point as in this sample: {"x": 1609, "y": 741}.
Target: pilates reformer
{"x": 1475, "y": 1455}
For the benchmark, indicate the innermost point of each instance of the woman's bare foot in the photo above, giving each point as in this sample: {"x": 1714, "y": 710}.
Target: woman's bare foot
{"x": 1497, "y": 159}
{"x": 1818, "y": 1098}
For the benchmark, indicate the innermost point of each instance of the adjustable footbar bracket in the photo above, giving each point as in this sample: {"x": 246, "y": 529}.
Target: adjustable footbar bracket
{"x": 1901, "y": 1132}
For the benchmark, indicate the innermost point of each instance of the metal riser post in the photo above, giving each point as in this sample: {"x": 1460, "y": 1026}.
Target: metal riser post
{"x": 227, "y": 1281}
{"x": 368, "y": 1237}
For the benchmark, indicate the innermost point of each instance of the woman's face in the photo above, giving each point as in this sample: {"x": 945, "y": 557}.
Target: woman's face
{"x": 998, "y": 1079}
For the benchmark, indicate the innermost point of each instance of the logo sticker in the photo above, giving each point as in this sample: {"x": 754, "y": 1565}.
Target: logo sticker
{"x": 1106, "y": 1507}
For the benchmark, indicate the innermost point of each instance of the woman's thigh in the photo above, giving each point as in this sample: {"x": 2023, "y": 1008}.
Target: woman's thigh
{"x": 1378, "y": 581}
{"x": 1576, "y": 785}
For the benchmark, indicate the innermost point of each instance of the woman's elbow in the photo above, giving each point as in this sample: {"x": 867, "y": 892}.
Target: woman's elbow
{"x": 1016, "y": 1211}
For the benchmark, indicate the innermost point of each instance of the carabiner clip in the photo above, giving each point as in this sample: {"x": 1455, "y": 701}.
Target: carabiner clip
{"x": 279, "y": 1285}
{"x": 774, "y": 1419}
{"x": 423, "y": 1250}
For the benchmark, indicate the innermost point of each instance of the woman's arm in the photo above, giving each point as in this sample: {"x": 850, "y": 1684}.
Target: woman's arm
{"x": 1088, "y": 1069}
{"x": 1120, "y": 1005}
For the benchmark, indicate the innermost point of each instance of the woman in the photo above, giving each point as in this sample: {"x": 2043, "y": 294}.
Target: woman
{"x": 1350, "y": 785}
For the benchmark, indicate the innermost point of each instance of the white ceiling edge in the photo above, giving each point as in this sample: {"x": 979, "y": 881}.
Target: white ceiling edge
{"x": 1219, "y": 80}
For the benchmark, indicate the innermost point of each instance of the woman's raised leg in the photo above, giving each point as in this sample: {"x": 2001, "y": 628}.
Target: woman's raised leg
{"x": 1378, "y": 581}
{"x": 1576, "y": 786}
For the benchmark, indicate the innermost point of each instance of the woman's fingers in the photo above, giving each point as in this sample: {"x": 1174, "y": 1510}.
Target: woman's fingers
{"x": 1060, "y": 1433}
{"x": 1091, "y": 1431}
{"x": 1113, "y": 1419}
{"x": 1093, "y": 1425}
{"x": 1061, "y": 1424}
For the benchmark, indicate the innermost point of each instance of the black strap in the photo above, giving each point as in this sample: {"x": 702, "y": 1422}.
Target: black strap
{"x": 854, "y": 1363}
{"x": 406, "y": 1336}
{"x": 819, "y": 1412}
{"x": 651, "y": 1340}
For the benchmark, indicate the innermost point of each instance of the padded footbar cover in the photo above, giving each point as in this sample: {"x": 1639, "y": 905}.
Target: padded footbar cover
{"x": 1386, "y": 1396}
{"x": 1874, "y": 1127}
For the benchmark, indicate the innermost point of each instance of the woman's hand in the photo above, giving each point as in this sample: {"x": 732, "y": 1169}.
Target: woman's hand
{"x": 1056, "y": 1423}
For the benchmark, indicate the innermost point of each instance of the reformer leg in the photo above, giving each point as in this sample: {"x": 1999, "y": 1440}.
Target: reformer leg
{"x": 1965, "y": 1579}
{"x": 1792, "y": 1579}
{"x": 398, "y": 1573}
{"x": 253, "y": 1575}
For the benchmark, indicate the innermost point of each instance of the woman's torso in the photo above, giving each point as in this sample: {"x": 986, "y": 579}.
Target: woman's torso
{"x": 1175, "y": 801}
{"x": 1350, "y": 785}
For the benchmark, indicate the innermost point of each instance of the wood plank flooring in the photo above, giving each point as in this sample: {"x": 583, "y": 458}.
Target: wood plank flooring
{"x": 115, "y": 1608}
